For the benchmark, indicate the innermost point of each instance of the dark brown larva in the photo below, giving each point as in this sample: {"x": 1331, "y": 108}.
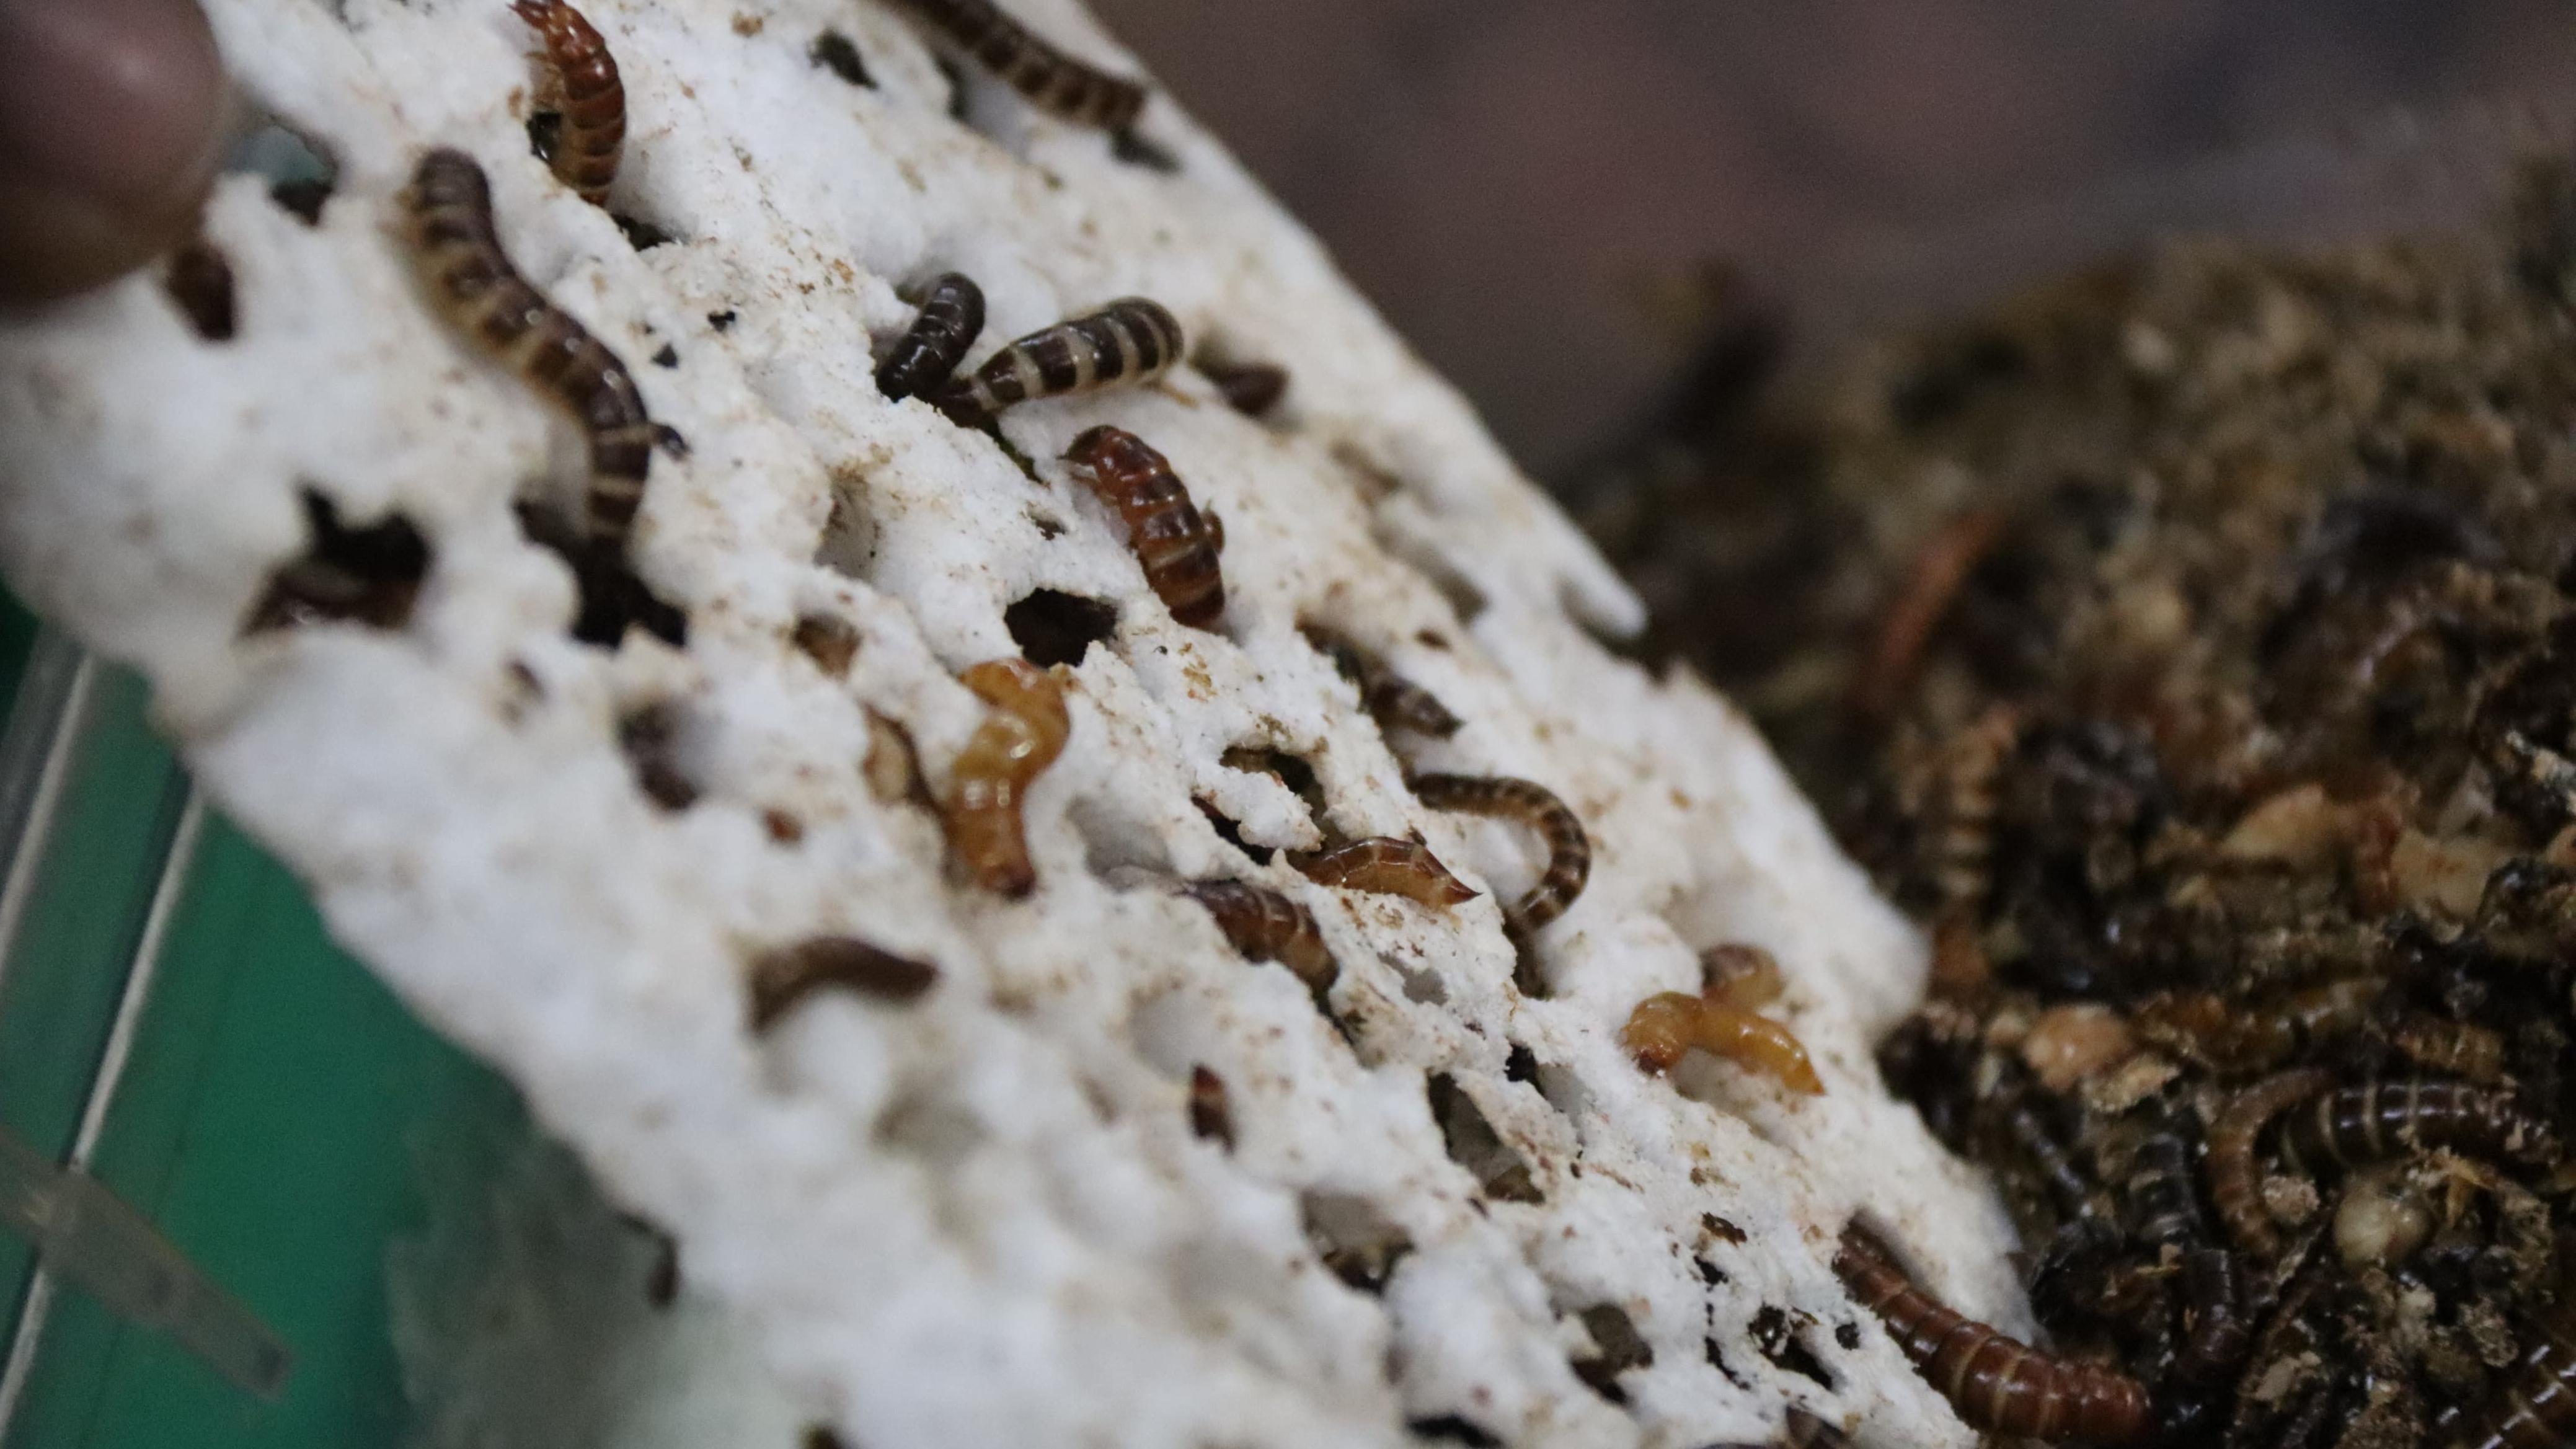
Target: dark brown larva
{"x": 581, "y": 86}
{"x": 2164, "y": 1203}
{"x": 951, "y": 318}
{"x": 459, "y": 256}
{"x": 1127, "y": 343}
{"x": 1569, "y": 851}
{"x": 1051, "y": 80}
{"x": 2234, "y": 1037}
{"x": 1173, "y": 543}
{"x": 2235, "y": 1181}
{"x": 1995, "y": 1383}
{"x": 1941, "y": 567}
{"x": 1394, "y": 701}
{"x": 2535, "y": 1408}
{"x": 1384, "y": 865}
{"x": 1210, "y": 1114}
{"x": 991, "y": 776}
{"x": 1252, "y": 389}
{"x": 782, "y": 978}
{"x": 2373, "y": 1121}
{"x": 1263, "y": 925}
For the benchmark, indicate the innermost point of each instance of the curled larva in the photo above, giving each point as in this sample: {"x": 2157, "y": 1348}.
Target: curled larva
{"x": 453, "y": 244}
{"x": 580, "y": 87}
{"x": 951, "y": 318}
{"x": 1996, "y": 1384}
{"x": 1263, "y": 925}
{"x": 1394, "y": 701}
{"x": 1129, "y": 342}
{"x": 1175, "y": 545}
{"x": 2235, "y": 1180}
{"x": 1569, "y": 851}
{"x": 991, "y": 776}
{"x": 1665, "y": 1025}
{"x": 1050, "y": 80}
{"x": 782, "y": 978}
{"x": 1385, "y": 865}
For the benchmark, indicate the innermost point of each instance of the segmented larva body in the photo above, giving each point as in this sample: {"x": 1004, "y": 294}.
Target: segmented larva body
{"x": 1385, "y": 865}
{"x": 2373, "y": 1121}
{"x": 1050, "y": 80}
{"x": 2057, "y": 1169}
{"x": 2165, "y": 1205}
{"x": 951, "y": 318}
{"x": 2235, "y": 1181}
{"x": 1569, "y": 850}
{"x": 2460, "y": 1048}
{"x": 459, "y": 255}
{"x": 2252, "y": 1037}
{"x": 2536, "y": 1406}
{"x": 1394, "y": 701}
{"x": 991, "y": 776}
{"x": 1962, "y": 852}
{"x": 1127, "y": 343}
{"x": 1174, "y": 543}
{"x": 1667, "y": 1024}
{"x": 2216, "y": 1337}
{"x": 581, "y": 87}
{"x": 1995, "y": 1383}
{"x": 1263, "y": 925}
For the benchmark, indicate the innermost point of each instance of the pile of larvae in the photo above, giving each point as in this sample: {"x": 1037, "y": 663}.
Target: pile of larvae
{"x": 2190, "y": 645}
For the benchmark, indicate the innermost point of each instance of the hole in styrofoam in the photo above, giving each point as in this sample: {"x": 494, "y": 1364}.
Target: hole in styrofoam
{"x": 892, "y": 764}
{"x": 1445, "y": 577}
{"x": 1475, "y": 1145}
{"x": 1616, "y": 1348}
{"x": 1521, "y": 1064}
{"x": 848, "y": 544}
{"x": 1452, "y": 1429}
{"x": 829, "y": 640}
{"x": 610, "y": 596}
{"x": 1780, "y": 1334}
{"x": 367, "y": 573}
{"x": 1717, "y": 1360}
{"x": 1211, "y": 1114}
{"x": 641, "y": 234}
{"x": 1357, "y": 1242}
{"x": 1422, "y": 985}
{"x": 1230, "y": 830}
{"x": 1136, "y": 149}
{"x": 199, "y": 280}
{"x": 833, "y": 52}
{"x": 655, "y": 740}
{"x": 1563, "y": 1088}
{"x": 931, "y": 1126}
{"x": 300, "y": 172}
{"x": 1292, "y": 772}
{"x": 1053, "y": 627}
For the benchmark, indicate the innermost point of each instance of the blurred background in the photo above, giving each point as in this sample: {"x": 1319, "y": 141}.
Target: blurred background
{"x": 1526, "y": 186}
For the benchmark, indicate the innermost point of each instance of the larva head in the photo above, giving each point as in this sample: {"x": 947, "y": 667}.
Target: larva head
{"x": 1107, "y": 451}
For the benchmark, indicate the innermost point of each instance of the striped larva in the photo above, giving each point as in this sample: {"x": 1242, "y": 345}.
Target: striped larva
{"x": 1051, "y": 80}
{"x": 1962, "y": 848}
{"x": 1667, "y": 1024}
{"x": 2536, "y": 1407}
{"x": 951, "y": 318}
{"x": 1995, "y": 1383}
{"x": 2165, "y": 1204}
{"x": 991, "y": 776}
{"x": 458, "y": 254}
{"x": 2241, "y": 1037}
{"x": 1173, "y": 541}
{"x": 1384, "y": 865}
{"x": 1569, "y": 851}
{"x": 2457, "y": 1048}
{"x": 1263, "y": 925}
{"x": 1130, "y": 342}
{"x": 1394, "y": 701}
{"x": 2373, "y": 1121}
{"x": 581, "y": 87}
{"x": 2235, "y": 1181}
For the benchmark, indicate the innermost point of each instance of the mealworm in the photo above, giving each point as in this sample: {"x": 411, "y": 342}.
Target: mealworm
{"x": 1665, "y": 1025}
{"x": 1995, "y": 1383}
{"x": 1962, "y": 849}
{"x": 2165, "y": 1203}
{"x": 2460, "y": 1048}
{"x": 951, "y": 318}
{"x": 1051, "y": 80}
{"x": 1173, "y": 543}
{"x": 2216, "y": 1337}
{"x": 1263, "y": 925}
{"x": 2238, "y": 1037}
{"x": 1941, "y": 567}
{"x": 1385, "y": 865}
{"x": 2536, "y": 1408}
{"x": 2373, "y": 1121}
{"x": 459, "y": 256}
{"x": 581, "y": 86}
{"x": 1130, "y": 342}
{"x": 1569, "y": 851}
{"x": 1252, "y": 388}
{"x": 991, "y": 776}
{"x": 1394, "y": 701}
{"x": 782, "y": 978}
{"x": 2066, "y": 1183}
{"x": 2235, "y": 1182}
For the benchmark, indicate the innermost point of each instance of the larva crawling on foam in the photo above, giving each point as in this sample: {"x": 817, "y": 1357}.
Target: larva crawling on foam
{"x": 1051, "y": 80}
{"x": 1175, "y": 542}
{"x": 1263, "y": 925}
{"x": 990, "y": 779}
{"x": 951, "y": 317}
{"x": 448, "y": 220}
{"x": 1132, "y": 341}
{"x": 1665, "y": 1025}
{"x": 1385, "y": 865}
{"x": 1569, "y": 850}
{"x": 582, "y": 89}
{"x": 1394, "y": 701}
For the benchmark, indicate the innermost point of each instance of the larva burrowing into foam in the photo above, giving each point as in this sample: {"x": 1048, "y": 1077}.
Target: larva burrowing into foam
{"x": 990, "y": 779}
{"x": 951, "y": 318}
{"x": 458, "y": 254}
{"x": 1263, "y": 925}
{"x": 1051, "y": 80}
{"x": 1173, "y": 541}
{"x": 1132, "y": 341}
{"x": 581, "y": 87}
{"x": 1394, "y": 701}
{"x": 1996, "y": 1384}
{"x": 1385, "y": 865}
{"x": 1569, "y": 850}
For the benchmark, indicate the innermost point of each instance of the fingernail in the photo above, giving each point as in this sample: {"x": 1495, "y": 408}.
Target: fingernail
{"x": 109, "y": 111}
